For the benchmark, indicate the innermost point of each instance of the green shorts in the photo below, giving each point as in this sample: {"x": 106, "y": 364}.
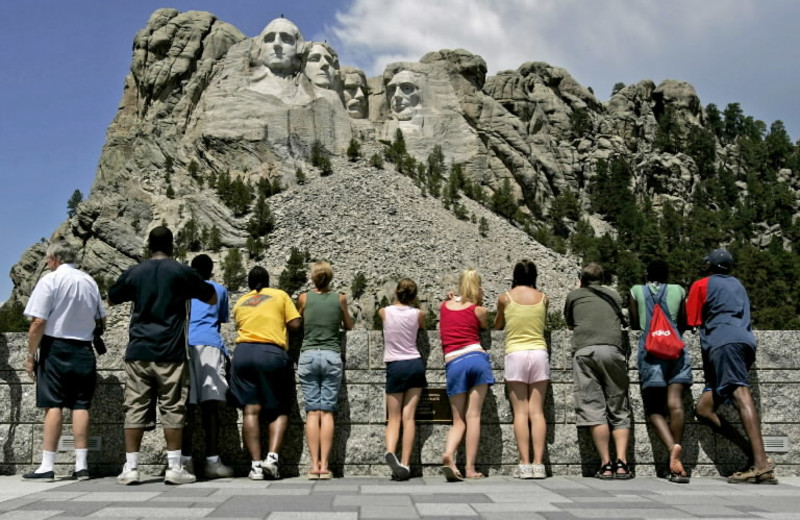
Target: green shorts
{"x": 601, "y": 380}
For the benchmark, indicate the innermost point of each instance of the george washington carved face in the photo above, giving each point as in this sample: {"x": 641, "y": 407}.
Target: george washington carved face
{"x": 280, "y": 46}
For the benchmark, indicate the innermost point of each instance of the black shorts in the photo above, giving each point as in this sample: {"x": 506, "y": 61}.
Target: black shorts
{"x": 66, "y": 375}
{"x": 261, "y": 373}
{"x": 405, "y": 375}
{"x": 727, "y": 367}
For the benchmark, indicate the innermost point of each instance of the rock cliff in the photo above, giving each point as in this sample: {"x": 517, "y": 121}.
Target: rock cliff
{"x": 203, "y": 101}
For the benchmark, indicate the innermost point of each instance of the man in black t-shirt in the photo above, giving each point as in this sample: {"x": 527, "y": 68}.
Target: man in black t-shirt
{"x": 155, "y": 359}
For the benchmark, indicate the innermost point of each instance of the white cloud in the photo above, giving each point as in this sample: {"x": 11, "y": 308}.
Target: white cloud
{"x": 725, "y": 48}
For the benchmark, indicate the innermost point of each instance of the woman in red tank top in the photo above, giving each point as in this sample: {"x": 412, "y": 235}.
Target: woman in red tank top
{"x": 467, "y": 370}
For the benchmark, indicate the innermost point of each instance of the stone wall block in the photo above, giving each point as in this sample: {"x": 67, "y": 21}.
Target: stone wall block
{"x": 355, "y": 346}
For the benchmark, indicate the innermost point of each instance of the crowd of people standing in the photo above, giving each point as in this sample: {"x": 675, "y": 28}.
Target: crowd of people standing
{"x": 68, "y": 316}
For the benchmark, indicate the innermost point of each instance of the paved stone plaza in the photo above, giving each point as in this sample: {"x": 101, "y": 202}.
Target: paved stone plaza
{"x": 558, "y": 498}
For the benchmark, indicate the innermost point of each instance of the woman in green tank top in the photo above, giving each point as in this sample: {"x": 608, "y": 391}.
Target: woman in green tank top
{"x": 320, "y": 366}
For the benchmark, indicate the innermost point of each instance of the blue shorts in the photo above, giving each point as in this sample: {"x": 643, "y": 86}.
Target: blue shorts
{"x": 660, "y": 373}
{"x": 320, "y": 372}
{"x": 727, "y": 367}
{"x": 467, "y": 371}
{"x": 404, "y": 375}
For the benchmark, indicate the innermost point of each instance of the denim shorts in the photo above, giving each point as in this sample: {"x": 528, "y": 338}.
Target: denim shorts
{"x": 727, "y": 367}
{"x": 660, "y": 373}
{"x": 467, "y": 371}
{"x": 404, "y": 375}
{"x": 320, "y": 372}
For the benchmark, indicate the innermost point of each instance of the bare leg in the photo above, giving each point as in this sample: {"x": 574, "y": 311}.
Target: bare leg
{"x": 706, "y": 413}
{"x": 277, "y": 429}
{"x": 174, "y": 437}
{"x": 53, "y": 421}
{"x": 743, "y": 400}
{"x": 251, "y": 430}
{"x": 536, "y": 395}
{"x": 518, "y": 395}
{"x": 80, "y": 428}
{"x": 476, "y": 395}
{"x": 676, "y": 415}
{"x": 458, "y": 405}
{"x": 312, "y": 437}
{"x": 394, "y": 411}
{"x": 325, "y": 439}
{"x": 133, "y": 439}
{"x": 621, "y": 437}
{"x": 601, "y": 436}
{"x": 410, "y": 402}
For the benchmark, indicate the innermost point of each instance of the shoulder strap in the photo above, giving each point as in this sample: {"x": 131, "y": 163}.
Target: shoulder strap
{"x": 613, "y": 304}
{"x": 508, "y": 295}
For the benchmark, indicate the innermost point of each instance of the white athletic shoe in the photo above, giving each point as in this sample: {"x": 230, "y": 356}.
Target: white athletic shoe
{"x": 128, "y": 476}
{"x": 538, "y": 471}
{"x": 178, "y": 476}
{"x": 218, "y": 470}
{"x": 270, "y": 466}
{"x": 525, "y": 471}
{"x": 256, "y": 473}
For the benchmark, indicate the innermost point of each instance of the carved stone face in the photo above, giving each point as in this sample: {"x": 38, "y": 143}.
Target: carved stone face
{"x": 404, "y": 94}
{"x": 280, "y": 40}
{"x": 355, "y": 95}
{"x": 322, "y": 66}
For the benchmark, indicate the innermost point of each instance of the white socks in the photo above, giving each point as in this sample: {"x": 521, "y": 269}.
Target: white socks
{"x": 213, "y": 458}
{"x": 174, "y": 459}
{"x": 80, "y": 459}
{"x": 48, "y": 462}
{"x": 132, "y": 460}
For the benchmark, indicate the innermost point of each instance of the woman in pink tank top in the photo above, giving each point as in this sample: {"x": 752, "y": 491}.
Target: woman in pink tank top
{"x": 468, "y": 371}
{"x": 405, "y": 373}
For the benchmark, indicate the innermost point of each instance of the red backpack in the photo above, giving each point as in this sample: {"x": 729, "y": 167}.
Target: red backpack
{"x": 662, "y": 338}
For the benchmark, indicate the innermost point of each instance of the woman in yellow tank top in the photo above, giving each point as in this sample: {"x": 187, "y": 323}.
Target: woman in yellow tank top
{"x": 522, "y": 312}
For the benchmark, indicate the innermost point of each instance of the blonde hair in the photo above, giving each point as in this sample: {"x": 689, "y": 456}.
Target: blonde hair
{"x": 321, "y": 274}
{"x": 469, "y": 286}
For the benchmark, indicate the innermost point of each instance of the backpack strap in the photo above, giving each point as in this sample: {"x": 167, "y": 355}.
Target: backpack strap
{"x": 613, "y": 304}
{"x": 651, "y": 300}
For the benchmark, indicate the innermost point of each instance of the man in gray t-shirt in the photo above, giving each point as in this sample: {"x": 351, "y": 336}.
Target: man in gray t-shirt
{"x": 600, "y": 369}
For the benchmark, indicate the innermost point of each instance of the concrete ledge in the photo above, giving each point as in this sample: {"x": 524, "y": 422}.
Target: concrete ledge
{"x": 359, "y": 442}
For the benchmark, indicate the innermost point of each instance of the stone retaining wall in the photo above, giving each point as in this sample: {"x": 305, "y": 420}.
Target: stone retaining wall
{"x": 359, "y": 444}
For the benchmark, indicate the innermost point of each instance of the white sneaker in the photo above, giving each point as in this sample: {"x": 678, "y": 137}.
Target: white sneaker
{"x": 538, "y": 471}
{"x": 525, "y": 471}
{"x": 218, "y": 470}
{"x": 128, "y": 476}
{"x": 178, "y": 476}
{"x": 256, "y": 473}
{"x": 270, "y": 466}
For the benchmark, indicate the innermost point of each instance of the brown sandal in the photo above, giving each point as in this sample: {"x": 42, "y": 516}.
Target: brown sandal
{"x": 755, "y": 476}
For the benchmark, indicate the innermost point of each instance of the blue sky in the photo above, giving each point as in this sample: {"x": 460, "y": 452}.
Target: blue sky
{"x": 64, "y": 63}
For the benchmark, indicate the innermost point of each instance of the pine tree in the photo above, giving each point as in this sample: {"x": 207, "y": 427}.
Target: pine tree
{"x": 353, "y": 150}
{"x": 294, "y": 275}
{"x": 503, "y": 201}
{"x": 72, "y": 204}
{"x": 359, "y": 285}
{"x": 233, "y": 275}
{"x": 300, "y": 176}
{"x": 214, "y": 239}
{"x": 261, "y": 222}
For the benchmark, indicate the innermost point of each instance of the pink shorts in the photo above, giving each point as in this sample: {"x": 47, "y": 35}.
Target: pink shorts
{"x": 528, "y": 366}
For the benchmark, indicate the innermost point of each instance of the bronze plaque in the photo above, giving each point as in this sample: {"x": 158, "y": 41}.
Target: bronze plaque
{"x": 434, "y": 406}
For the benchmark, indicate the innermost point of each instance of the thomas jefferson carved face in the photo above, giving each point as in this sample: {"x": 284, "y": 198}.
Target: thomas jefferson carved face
{"x": 355, "y": 93}
{"x": 280, "y": 41}
{"x": 322, "y": 65}
{"x": 404, "y": 95}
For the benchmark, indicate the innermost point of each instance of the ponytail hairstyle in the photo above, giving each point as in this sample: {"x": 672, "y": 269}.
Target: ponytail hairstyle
{"x": 525, "y": 273}
{"x": 258, "y": 279}
{"x": 407, "y": 292}
{"x": 469, "y": 286}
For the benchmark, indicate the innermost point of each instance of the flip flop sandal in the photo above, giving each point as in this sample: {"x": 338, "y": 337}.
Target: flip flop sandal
{"x": 626, "y": 472}
{"x": 606, "y": 472}
{"x": 451, "y": 475}
{"x": 476, "y": 477}
{"x": 677, "y": 478}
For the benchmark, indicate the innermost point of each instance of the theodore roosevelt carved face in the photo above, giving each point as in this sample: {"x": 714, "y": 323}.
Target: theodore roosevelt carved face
{"x": 405, "y": 95}
{"x": 355, "y": 92}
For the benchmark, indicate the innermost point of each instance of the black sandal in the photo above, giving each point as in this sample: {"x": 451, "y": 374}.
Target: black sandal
{"x": 626, "y": 472}
{"x": 606, "y": 472}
